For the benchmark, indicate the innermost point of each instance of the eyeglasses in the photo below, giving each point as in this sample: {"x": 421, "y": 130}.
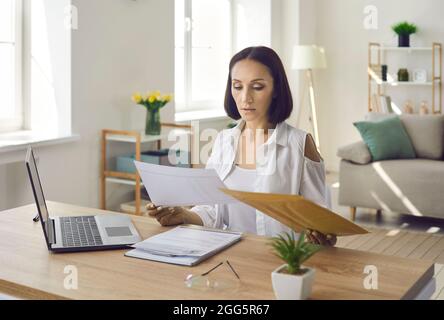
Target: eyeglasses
{"x": 210, "y": 281}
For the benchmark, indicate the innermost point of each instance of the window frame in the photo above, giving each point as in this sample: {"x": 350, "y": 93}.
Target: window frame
{"x": 16, "y": 123}
{"x": 190, "y": 105}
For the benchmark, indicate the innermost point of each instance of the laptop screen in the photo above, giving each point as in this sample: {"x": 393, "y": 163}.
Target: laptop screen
{"x": 38, "y": 191}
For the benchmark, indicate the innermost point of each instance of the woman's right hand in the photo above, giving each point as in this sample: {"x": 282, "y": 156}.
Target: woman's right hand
{"x": 171, "y": 216}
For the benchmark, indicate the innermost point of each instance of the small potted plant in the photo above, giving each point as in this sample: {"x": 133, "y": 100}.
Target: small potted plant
{"x": 293, "y": 281}
{"x": 404, "y": 30}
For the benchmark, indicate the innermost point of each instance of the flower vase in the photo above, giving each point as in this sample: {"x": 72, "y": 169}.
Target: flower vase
{"x": 152, "y": 125}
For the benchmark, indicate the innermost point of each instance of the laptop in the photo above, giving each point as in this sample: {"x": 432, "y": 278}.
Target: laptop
{"x": 79, "y": 233}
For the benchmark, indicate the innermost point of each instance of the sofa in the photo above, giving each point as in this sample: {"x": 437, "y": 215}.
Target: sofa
{"x": 408, "y": 186}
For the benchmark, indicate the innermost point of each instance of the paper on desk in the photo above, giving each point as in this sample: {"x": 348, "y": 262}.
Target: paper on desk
{"x": 298, "y": 213}
{"x": 184, "y": 245}
{"x": 184, "y": 241}
{"x": 173, "y": 186}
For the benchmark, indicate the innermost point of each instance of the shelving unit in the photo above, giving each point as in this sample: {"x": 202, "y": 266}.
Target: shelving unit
{"x": 138, "y": 139}
{"x": 376, "y": 51}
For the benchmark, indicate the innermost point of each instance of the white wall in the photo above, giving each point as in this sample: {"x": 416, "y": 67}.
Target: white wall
{"x": 286, "y": 32}
{"x": 342, "y": 87}
{"x": 121, "y": 46}
{"x": 251, "y": 24}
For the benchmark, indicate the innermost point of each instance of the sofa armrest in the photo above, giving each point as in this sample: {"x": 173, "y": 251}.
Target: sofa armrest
{"x": 357, "y": 152}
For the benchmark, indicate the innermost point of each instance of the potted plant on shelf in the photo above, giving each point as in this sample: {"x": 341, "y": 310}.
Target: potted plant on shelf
{"x": 293, "y": 281}
{"x": 404, "y": 30}
{"x": 153, "y": 102}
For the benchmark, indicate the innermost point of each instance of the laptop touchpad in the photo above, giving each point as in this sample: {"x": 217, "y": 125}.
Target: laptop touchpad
{"x": 118, "y": 231}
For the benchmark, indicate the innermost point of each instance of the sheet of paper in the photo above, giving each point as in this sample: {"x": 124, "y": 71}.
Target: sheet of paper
{"x": 298, "y": 213}
{"x": 185, "y": 260}
{"x": 173, "y": 186}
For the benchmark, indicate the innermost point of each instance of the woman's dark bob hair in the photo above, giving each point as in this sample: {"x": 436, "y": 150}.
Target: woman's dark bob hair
{"x": 282, "y": 103}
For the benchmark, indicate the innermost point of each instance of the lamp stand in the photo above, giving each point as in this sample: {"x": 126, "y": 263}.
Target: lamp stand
{"x": 314, "y": 119}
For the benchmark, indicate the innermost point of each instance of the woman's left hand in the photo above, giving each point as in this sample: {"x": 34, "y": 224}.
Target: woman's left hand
{"x": 317, "y": 237}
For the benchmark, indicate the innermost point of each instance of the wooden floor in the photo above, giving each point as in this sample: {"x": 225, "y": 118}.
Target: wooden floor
{"x": 396, "y": 235}
{"x": 402, "y": 243}
{"x": 398, "y": 242}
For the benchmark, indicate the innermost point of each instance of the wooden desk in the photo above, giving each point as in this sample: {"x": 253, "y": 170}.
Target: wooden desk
{"x": 28, "y": 270}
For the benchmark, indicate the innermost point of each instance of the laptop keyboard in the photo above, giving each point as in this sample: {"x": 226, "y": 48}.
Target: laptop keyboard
{"x": 80, "y": 232}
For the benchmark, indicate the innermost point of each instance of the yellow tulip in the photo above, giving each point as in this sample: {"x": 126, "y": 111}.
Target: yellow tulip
{"x": 157, "y": 94}
{"x": 151, "y": 99}
{"x": 137, "y": 97}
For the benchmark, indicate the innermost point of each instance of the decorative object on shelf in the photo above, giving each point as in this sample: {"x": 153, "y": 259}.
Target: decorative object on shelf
{"x": 163, "y": 157}
{"x": 419, "y": 75}
{"x": 423, "y": 109}
{"x": 309, "y": 57}
{"x": 153, "y": 102}
{"x": 293, "y": 281}
{"x": 379, "y": 54}
{"x": 408, "y": 107}
{"x": 403, "y": 75}
{"x": 385, "y": 104}
{"x": 384, "y": 72}
{"x": 404, "y": 30}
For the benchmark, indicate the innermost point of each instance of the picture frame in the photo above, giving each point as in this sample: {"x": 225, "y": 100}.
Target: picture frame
{"x": 419, "y": 76}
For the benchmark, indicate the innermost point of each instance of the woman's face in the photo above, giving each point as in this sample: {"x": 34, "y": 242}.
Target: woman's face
{"x": 252, "y": 90}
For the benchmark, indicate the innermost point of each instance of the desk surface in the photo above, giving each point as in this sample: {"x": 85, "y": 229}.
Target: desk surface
{"x": 28, "y": 270}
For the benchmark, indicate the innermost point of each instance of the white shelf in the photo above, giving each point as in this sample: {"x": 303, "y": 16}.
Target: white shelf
{"x": 403, "y": 83}
{"x": 408, "y": 49}
{"x": 127, "y": 182}
{"x": 147, "y": 138}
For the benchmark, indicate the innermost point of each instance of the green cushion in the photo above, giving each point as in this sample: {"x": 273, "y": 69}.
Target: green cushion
{"x": 386, "y": 139}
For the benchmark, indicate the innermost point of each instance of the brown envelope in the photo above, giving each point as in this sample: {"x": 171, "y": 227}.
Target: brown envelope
{"x": 298, "y": 213}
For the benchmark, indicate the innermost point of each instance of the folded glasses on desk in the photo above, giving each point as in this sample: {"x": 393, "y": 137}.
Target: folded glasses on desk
{"x": 214, "y": 281}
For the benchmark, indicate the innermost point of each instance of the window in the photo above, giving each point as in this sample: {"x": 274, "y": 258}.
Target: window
{"x": 11, "y": 14}
{"x": 35, "y": 67}
{"x": 203, "y": 48}
{"x": 207, "y": 34}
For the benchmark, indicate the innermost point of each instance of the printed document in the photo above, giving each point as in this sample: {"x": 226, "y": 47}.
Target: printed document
{"x": 186, "y": 245}
{"x": 173, "y": 186}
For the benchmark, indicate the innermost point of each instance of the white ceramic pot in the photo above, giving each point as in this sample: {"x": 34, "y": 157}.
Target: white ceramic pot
{"x": 290, "y": 286}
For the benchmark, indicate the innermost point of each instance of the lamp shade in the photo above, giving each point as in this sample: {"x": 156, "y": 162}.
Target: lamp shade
{"x": 308, "y": 57}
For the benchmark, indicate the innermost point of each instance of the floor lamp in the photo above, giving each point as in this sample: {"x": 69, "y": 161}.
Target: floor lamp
{"x": 307, "y": 58}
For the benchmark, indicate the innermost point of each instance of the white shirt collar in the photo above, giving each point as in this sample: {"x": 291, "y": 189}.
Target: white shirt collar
{"x": 280, "y": 133}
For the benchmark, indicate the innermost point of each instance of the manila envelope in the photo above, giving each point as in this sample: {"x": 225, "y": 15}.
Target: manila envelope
{"x": 297, "y": 213}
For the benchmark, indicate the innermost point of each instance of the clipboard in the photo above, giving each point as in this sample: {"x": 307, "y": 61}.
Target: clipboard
{"x": 297, "y": 213}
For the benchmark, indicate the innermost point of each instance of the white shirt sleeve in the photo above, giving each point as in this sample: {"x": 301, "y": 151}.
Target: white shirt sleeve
{"x": 313, "y": 186}
{"x": 210, "y": 214}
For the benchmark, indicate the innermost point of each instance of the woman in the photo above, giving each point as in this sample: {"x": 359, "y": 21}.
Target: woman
{"x": 261, "y": 154}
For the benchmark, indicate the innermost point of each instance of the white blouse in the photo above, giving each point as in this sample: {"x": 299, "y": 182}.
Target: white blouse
{"x": 281, "y": 167}
{"x": 239, "y": 216}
